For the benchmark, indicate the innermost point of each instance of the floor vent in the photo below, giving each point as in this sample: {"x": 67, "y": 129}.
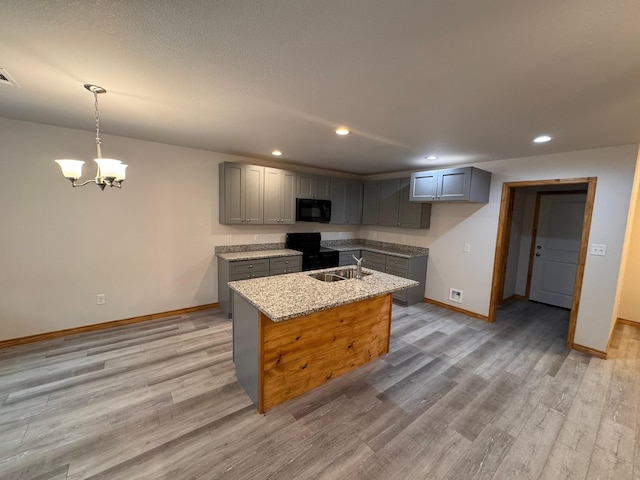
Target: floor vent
{"x": 5, "y": 78}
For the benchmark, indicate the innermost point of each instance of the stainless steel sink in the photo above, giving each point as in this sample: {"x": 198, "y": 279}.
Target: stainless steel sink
{"x": 337, "y": 275}
{"x": 348, "y": 273}
{"x": 326, "y": 277}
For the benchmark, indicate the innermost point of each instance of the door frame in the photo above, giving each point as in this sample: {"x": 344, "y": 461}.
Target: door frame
{"x": 504, "y": 232}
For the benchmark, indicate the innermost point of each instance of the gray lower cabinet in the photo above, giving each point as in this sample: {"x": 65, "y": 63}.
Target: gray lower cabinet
{"x": 346, "y": 257}
{"x": 279, "y": 197}
{"x": 373, "y": 260}
{"x": 241, "y": 193}
{"x": 414, "y": 268}
{"x": 386, "y": 203}
{"x": 467, "y": 184}
{"x": 231, "y": 271}
{"x": 282, "y": 265}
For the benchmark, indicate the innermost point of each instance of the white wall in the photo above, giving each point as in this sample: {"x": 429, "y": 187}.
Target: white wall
{"x": 454, "y": 225}
{"x": 526, "y": 232}
{"x": 515, "y": 240}
{"x": 629, "y": 299}
{"x": 149, "y": 246}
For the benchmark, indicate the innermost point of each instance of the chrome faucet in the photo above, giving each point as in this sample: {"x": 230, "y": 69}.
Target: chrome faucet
{"x": 358, "y": 267}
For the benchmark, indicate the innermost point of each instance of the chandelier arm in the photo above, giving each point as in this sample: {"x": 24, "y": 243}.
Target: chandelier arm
{"x": 73, "y": 182}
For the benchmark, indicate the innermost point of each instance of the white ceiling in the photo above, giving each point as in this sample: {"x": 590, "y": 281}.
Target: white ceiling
{"x": 467, "y": 80}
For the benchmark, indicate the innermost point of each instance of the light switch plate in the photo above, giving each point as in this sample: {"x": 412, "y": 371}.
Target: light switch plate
{"x": 466, "y": 248}
{"x": 598, "y": 249}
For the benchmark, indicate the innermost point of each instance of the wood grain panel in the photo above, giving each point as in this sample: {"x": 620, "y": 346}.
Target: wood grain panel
{"x": 291, "y": 340}
{"x": 303, "y": 353}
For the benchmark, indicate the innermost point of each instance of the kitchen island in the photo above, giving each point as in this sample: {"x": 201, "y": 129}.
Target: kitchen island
{"x": 292, "y": 333}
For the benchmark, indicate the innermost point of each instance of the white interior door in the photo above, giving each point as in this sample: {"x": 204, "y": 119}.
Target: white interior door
{"x": 557, "y": 247}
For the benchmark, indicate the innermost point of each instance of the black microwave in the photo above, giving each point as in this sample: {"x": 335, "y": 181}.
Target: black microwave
{"x": 313, "y": 210}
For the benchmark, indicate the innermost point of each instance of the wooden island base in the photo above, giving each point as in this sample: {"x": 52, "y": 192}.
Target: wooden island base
{"x": 277, "y": 361}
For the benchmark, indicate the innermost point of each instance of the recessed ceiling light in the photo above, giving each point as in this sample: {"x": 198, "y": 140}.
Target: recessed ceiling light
{"x": 276, "y": 153}
{"x": 342, "y": 131}
{"x": 432, "y": 157}
{"x": 542, "y": 139}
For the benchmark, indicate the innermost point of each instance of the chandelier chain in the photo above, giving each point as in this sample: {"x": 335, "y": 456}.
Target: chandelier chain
{"x": 95, "y": 95}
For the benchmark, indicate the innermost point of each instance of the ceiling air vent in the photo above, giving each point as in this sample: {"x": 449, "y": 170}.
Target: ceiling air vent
{"x": 5, "y": 78}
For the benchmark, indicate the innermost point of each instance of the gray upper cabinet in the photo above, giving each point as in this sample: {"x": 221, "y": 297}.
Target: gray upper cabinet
{"x": 371, "y": 203}
{"x": 468, "y": 184}
{"x": 389, "y": 203}
{"x": 354, "y": 202}
{"x": 279, "y": 196}
{"x": 313, "y": 186}
{"x": 412, "y": 214}
{"x": 346, "y": 201}
{"x": 241, "y": 193}
{"x": 386, "y": 203}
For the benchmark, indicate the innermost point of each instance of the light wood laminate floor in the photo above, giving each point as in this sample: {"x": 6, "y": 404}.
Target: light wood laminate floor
{"x": 456, "y": 398}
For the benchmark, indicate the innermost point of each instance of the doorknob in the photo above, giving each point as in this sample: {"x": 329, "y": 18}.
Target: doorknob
{"x": 538, "y": 254}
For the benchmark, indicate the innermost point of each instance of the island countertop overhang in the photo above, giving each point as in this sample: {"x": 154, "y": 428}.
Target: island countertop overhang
{"x": 283, "y": 297}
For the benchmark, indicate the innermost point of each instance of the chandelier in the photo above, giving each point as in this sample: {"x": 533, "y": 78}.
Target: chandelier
{"x": 110, "y": 172}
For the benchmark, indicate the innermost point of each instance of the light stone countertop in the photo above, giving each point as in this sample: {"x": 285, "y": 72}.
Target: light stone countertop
{"x": 282, "y": 297}
{"x": 417, "y": 252}
{"x": 257, "y": 254}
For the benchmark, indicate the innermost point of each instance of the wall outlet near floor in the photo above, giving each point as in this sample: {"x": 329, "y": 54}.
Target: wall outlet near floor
{"x": 101, "y": 299}
{"x": 466, "y": 248}
{"x": 455, "y": 295}
{"x": 597, "y": 249}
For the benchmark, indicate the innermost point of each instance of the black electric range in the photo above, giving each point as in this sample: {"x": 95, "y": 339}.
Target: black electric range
{"x": 313, "y": 255}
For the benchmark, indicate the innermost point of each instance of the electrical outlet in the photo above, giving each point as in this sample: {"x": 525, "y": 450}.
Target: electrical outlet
{"x": 229, "y": 239}
{"x": 466, "y": 248}
{"x": 455, "y": 295}
{"x": 101, "y": 299}
{"x": 256, "y": 238}
{"x": 597, "y": 249}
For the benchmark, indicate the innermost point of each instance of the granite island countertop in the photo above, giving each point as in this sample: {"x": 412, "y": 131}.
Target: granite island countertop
{"x": 257, "y": 254}
{"x": 288, "y": 296}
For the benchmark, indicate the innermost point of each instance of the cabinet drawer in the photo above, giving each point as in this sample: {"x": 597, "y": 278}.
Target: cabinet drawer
{"x": 247, "y": 275}
{"x": 401, "y": 296}
{"x": 282, "y": 271}
{"x": 398, "y": 272}
{"x": 373, "y": 257}
{"x": 346, "y": 258}
{"x": 374, "y": 261}
{"x": 279, "y": 263}
{"x": 246, "y": 266}
{"x": 397, "y": 262}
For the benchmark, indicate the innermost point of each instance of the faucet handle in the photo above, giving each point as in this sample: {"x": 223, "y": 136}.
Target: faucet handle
{"x": 359, "y": 260}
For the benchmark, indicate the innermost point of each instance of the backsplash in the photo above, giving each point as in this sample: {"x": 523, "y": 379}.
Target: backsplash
{"x": 325, "y": 243}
